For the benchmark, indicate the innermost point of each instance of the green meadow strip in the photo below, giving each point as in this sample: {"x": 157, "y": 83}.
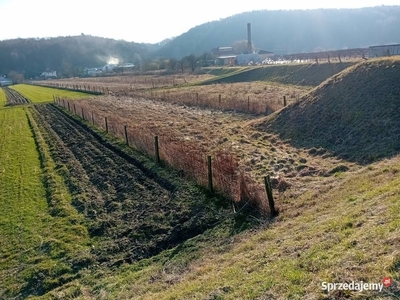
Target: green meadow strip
{"x": 39, "y": 94}
{"x": 43, "y": 243}
{"x": 22, "y": 200}
{"x": 2, "y": 98}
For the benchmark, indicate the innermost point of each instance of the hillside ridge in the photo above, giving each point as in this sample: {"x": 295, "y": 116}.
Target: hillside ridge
{"x": 354, "y": 114}
{"x": 297, "y": 74}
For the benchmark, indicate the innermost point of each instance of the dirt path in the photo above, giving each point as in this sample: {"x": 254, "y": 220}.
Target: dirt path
{"x": 134, "y": 212}
{"x": 14, "y": 98}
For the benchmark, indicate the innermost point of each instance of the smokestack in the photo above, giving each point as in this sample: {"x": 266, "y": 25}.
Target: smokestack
{"x": 249, "y": 45}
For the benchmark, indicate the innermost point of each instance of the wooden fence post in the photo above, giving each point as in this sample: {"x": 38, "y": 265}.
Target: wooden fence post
{"x": 219, "y": 100}
{"x": 284, "y": 101}
{"x": 270, "y": 197}
{"x": 92, "y": 119}
{"x": 106, "y": 122}
{"x": 126, "y": 135}
{"x": 248, "y": 103}
{"x": 157, "y": 153}
{"x": 210, "y": 181}
{"x": 83, "y": 115}
{"x": 69, "y": 108}
{"x": 74, "y": 109}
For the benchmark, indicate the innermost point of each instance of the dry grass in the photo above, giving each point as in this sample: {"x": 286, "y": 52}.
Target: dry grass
{"x": 242, "y": 156}
{"x": 252, "y": 97}
{"x": 118, "y": 84}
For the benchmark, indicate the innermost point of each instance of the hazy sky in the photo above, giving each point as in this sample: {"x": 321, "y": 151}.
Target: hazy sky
{"x": 139, "y": 21}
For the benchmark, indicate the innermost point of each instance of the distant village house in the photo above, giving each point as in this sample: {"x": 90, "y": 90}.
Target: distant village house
{"x": 49, "y": 74}
{"x": 109, "y": 68}
{"x": 4, "y": 81}
{"x": 93, "y": 71}
{"x": 226, "y": 60}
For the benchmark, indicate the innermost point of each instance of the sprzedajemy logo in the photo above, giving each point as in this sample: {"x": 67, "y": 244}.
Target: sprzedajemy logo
{"x": 356, "y": 286}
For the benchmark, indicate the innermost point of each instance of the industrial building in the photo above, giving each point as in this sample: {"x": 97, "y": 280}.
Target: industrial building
{"x": 226, "y": 56}
{"x": 384, "y": 50}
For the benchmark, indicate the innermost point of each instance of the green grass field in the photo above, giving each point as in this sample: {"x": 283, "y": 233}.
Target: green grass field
{"x": 2, "y": 98}
{"x": 40, "y": 233}
{"x": 38, "y": 94}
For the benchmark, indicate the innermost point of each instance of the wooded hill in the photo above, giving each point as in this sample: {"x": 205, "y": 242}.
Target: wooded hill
{"x": 67, "y": 55}
{"x": 293, "y": 31}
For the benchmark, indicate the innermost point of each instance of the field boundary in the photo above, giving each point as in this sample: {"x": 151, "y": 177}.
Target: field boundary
{"x": 228, "y": 178}
{"x": 74, "y": 88}
{"x": 224, "y": 102}
{"x": 221, "y": 101}
{"x": 129, "y": 158}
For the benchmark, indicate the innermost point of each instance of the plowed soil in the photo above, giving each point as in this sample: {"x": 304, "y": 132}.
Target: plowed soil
{"x": 14, "y": 98}
{"x": 132, "y": 211}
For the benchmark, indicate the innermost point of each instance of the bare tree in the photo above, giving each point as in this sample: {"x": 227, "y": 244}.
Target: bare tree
{"x": 172, "y": 63}
{"x": 191, "y": 61}
{"x": 16, "y": 77}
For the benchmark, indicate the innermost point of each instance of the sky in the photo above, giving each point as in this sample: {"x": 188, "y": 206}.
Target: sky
{"x": 145, "y": 21}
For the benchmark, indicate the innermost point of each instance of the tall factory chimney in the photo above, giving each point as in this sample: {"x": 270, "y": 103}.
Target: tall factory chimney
{"x": 249, "y": 45}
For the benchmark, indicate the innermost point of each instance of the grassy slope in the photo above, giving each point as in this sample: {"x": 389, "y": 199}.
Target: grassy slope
{"x": 224, "y": 70}
{"x": 38, "y": 94}
{"x": 42, "y": 243}
{"x": 355, "y": 114}
{"x": 336, "y": 237}
{"x": 2, "y": 98}
{"x": 301, "y": 74}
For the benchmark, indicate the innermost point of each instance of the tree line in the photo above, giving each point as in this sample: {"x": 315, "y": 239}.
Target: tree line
{"x": 187, "y": 63}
